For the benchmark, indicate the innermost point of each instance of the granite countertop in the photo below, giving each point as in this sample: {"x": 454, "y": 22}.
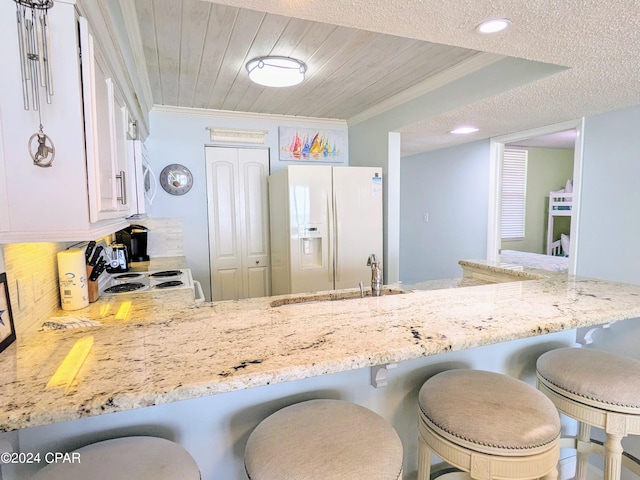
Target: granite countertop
{"x": 165, "y": 351}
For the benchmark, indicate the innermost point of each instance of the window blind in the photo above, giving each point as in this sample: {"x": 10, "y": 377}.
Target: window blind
{"x": 514, "y": 193}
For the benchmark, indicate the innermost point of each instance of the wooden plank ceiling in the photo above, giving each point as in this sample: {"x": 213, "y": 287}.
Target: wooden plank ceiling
{"x": 196, "y": 53}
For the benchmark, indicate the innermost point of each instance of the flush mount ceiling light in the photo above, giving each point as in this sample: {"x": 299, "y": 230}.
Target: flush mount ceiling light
{"x": 276, "y": 71}
{"x": 464, "y": 130}
{"x": 493, "y": 26}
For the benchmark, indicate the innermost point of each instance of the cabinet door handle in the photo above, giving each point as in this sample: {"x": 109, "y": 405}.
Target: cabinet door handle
{"x": 123, "y": 187}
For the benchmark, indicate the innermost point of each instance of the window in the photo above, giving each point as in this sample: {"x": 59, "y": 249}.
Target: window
{"x": 514, "y": 193}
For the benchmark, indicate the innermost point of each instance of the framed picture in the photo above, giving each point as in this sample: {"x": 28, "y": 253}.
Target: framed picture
{"x": 7, "y": 331}
{"x": 311, "y": 145}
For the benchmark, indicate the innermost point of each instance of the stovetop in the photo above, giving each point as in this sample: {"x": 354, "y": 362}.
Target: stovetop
{"x": 135, "y": 282}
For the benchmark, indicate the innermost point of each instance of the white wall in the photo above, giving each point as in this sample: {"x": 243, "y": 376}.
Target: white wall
{"x": 451, "y": 186}
{"x": 181, "y": 138}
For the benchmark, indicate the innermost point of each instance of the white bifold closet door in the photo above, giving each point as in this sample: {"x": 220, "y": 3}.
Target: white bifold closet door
{"x": 238, "y": 213}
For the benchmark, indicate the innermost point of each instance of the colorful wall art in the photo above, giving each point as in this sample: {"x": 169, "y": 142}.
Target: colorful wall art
{"x": 311, "y": 145}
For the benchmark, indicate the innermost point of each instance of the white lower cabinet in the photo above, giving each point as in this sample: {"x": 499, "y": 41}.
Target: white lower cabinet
{"x": 81, "y": 195}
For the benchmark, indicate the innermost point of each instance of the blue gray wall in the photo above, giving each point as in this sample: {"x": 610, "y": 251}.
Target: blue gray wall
{"x": 179, "y": 137}
{"x": 609, "y": 228}
{"x": 451, "y": 186}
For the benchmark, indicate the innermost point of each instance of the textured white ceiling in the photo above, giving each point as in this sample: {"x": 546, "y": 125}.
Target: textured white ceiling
{"x": 598, "y": 41}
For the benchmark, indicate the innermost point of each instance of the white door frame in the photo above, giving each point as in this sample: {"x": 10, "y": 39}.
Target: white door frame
{"x": 496, "y": 152}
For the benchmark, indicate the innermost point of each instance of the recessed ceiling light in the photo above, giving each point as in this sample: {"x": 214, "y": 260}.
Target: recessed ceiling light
{"x": 276, "y": 71}
{"x": 463, "y": 130}
{"x": 493, "y": 26}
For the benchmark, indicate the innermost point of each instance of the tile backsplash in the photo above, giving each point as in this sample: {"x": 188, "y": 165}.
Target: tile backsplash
{"x": 32, "y": 277}
{"x": 164, "y": 237}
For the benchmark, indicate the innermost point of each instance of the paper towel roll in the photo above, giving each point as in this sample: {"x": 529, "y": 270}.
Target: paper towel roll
{"x": 72, "y": 275}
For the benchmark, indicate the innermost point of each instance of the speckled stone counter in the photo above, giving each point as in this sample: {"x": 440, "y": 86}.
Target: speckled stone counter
{"x": 166, "y": 352}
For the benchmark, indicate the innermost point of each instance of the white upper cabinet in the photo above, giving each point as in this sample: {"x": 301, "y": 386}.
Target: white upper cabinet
{"x": 106, "y": 125}
{"x": 81, "y": 195}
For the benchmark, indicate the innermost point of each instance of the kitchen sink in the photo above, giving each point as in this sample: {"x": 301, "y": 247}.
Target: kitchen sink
{"x": 331, "y": 296}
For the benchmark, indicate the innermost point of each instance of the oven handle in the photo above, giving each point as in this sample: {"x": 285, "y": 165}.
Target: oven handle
{"x": 200, "y": 294}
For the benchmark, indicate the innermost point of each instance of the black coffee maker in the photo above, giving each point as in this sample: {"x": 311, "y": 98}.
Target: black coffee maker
{"x": 134, "y": 237}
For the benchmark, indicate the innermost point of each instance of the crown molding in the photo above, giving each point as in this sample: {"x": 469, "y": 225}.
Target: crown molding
{"x": 462, "y": 69}
{"x": 210, "y": 113}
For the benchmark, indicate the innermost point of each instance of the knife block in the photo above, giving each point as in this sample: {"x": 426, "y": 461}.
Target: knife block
{"x": 94, "y": 294}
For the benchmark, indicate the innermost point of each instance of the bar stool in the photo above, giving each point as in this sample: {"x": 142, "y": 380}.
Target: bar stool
{"x": 598, "y": 389}
{"x": 324, "y": 439}
{"x": 489, "y": 425}
{"x": 127, "y": 458}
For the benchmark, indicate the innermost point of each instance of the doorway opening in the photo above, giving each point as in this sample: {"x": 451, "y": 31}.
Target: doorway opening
{"x": 534, "y": 138}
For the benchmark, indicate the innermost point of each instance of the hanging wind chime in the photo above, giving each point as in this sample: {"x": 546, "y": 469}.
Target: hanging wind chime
{"x": 35, "y": 66}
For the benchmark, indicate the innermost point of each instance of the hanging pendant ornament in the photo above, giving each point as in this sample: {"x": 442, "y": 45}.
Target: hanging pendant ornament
{"x": 35, "y": 67}
{"x": 32, "y": 18}
{"x": 41, "y": 149}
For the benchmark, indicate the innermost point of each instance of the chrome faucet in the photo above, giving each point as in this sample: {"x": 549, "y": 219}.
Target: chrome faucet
{"x": 376, "y": 275}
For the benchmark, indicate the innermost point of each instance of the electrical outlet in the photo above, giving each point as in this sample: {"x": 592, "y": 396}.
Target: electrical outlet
{"x": 25, "y": 291}
{"x": 38, "y": 287}
{"x": 425, "y": 218}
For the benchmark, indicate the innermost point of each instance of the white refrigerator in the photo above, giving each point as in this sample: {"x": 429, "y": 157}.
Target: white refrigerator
{"x": 325, "y": 222}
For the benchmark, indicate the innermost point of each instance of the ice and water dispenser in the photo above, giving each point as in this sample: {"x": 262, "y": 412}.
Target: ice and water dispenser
{"x": 310, "y": 245}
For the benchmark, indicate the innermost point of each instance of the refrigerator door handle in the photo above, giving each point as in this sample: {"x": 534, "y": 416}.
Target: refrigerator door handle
{"x": 329, "y": 238}
{"x": 336, "y": 257}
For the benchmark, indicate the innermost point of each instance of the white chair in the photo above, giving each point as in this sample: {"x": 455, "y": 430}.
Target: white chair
{"x": 598, "y": 389}
{"x": 126, "y": 458}
{"x": 489, "y": 425}
{"x": 324, "y": 439}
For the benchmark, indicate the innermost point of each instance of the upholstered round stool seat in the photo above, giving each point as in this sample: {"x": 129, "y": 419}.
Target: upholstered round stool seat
{"x": 127, "y": 458}
{"x": 324, "y": 439}
{"x": 598, "y": 389}
{"x": 593, "y": 377}
{"x": 487, "y": 424}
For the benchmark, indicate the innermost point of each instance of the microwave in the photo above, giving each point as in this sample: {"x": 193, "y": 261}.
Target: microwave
{"x": 145, "y": 186}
